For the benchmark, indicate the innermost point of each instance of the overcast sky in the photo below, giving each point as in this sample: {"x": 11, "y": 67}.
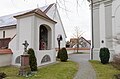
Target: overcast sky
{"x": 76, "y": 15}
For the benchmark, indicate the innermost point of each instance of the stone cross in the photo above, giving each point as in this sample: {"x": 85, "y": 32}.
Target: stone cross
{"x": 25, "y": 46}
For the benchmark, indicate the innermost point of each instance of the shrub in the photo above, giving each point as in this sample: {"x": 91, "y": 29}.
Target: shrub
{"x": 58, "y": 54}
{"x": 63, "y": 55}
{"x": 116, "y": 61}
{"x": 104, "y": 55}
{"x": 32, "y": 60}
{"x": 2, "y": 75}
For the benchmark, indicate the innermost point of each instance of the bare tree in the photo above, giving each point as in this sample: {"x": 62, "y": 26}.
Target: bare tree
{"x": 77, "y": 34}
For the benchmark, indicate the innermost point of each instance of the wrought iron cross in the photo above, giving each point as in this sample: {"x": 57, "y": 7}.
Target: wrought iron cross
{"x": 25, "y": 46}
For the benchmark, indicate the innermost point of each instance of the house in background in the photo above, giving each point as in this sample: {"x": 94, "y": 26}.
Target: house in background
{"x": 83, "y": 43}
{"x": 39, "y": 27}
{"x": 106, "y": 26}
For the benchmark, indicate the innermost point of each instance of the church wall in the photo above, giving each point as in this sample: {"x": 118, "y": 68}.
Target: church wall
{"x": 116, "y": 22}
{"x": 59, "y": 29}
{"x": 5, "y": 60}
{"x": 41, "y": 53}
{"x": 102, "y": 24}
{"x": 24, "y": 31}
{"x": 49, "y": 24}
{"x": 108, "y": 25}
{"x": 96, "y": 27}
{"x": 9, "y": 33}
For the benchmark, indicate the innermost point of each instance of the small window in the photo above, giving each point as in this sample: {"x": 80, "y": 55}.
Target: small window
{"x": 3, "y": 34}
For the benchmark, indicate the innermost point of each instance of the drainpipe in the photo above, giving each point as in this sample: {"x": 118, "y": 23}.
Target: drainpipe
{"x": 92, "y": 45}
{"x": 92, "y": 30}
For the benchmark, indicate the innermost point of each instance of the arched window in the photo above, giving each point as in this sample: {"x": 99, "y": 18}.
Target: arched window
{"x": 45, "y": 59}
{"x": 44, "y": 37}
{"x": 17, "y": 61}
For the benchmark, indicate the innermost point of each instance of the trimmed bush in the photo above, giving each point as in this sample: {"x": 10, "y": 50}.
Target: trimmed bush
{"x": 58, "y": 54}
{"x": 32, "y": 60}
{"x": 104, "y": 55}
{"x": 63, "y": 55}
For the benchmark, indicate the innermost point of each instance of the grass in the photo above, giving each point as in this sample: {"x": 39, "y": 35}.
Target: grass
{"x": 104, "y": 71}
{"x": 62, "y": 70}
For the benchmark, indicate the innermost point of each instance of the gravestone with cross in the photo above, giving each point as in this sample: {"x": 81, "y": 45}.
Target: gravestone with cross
{"x": 25, "y": 67}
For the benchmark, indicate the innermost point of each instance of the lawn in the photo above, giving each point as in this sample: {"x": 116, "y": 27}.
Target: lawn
{"x": 62, "y": 70}
{"x": 104, "y": 71}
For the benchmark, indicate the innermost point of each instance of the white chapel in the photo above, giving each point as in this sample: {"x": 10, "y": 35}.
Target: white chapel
{"x": 39, "y": 27}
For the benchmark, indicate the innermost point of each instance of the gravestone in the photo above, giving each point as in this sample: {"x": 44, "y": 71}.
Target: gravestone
{"x": 25, "y": 67}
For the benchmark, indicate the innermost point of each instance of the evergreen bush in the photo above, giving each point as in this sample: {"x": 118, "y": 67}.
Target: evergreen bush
{"x": 32, "y": 60}
{"x": 58, "y": 54}
{"x": 63, "y": 55}
{"x": 104, "y": 55}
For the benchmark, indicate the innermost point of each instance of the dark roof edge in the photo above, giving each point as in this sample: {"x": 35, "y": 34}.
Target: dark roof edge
{"x": 36, "y": 12}
{"x": 86, "y": 40}
{"x": 48, "y": 8}
{"x": 8, "y": 26}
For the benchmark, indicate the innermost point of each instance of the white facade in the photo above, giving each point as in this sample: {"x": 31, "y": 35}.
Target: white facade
{"x": 9, "y": 32}
{"x": 106, "y": 25}
{"x": 59, "y": 29}
{"x": 28, "y": 28}
{"x": 5, "y": 59}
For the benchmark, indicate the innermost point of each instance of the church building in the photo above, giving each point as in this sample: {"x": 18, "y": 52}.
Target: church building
{"x": 39, "y": 27}
{"x": 106, "y": 26}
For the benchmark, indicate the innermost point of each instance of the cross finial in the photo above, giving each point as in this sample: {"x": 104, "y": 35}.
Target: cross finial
{"x": 25, "y": 46}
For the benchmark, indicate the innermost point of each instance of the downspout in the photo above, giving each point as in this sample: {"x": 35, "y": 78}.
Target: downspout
{"x": 92, "y": 30}
{"x": 92, "y": 45}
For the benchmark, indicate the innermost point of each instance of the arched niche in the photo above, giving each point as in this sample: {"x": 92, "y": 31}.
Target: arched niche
{"x": 44, "y": 37}
{"x": 45, "y": 59}
{"x": 17, "y": 60}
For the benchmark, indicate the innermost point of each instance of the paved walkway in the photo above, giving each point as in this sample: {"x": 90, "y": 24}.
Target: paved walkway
{"x": 85, "y": 69}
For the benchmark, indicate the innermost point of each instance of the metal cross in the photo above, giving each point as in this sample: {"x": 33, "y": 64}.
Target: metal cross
{"x": 25, "y": 46}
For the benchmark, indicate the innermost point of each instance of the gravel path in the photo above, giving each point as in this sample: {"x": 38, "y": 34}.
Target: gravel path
{"x": 85, "y": 69}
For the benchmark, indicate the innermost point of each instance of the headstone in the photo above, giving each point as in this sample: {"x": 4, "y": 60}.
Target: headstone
{"x": 25, "y": 67}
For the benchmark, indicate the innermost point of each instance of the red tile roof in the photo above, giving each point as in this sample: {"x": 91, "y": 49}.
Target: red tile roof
{"x": 6, "y": 51}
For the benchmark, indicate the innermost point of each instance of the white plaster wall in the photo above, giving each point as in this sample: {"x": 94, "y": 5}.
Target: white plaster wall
{"x": 16, "y": 53}
{"x": 116, "y": 22}
{"x": 96, "y": 27}
{"x": 9, "y": 33}
{"x": 102, "y": 24}
{"x": 5, "y": 59}
{"x": 59, "y": 28}
{"x": 42, "y": 53}
{"x": 24, "y": 31}
{"x": 108, "y": 25}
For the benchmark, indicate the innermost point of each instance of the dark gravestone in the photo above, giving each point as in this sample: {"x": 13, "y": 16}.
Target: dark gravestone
{"x": 45, "y": 59}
